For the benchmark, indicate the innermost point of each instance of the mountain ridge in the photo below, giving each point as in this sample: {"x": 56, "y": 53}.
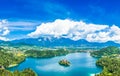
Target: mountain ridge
{"x": 53, "y": 42}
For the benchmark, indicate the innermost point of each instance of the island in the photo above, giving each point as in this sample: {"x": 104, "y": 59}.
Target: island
{"x": 12, "y": 56}
{"x": 108, "y": 58}
{"x": 64, "y": 62}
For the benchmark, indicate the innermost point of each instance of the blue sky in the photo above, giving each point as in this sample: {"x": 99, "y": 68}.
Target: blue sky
{"x": 96, "y": 11}
{"x": 23, "y": 16}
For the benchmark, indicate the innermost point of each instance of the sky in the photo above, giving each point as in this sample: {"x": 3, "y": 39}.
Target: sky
{"x": 93, "y": 20}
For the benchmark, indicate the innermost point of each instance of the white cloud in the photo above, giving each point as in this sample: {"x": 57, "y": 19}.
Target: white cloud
{"x": 76, "y": 30}
{"x": 6, "y": 31}
{"x": 21, "y": 25}
{"x": 4, "y": 38}
{"x": 7, "y": 26}
{"x": 3, "y": 30}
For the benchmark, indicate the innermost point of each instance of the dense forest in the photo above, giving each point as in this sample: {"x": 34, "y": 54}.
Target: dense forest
{"x": 25, "y": 72}
{"x": 109, "y": 60}
{"x": 10, "y": 58}
{"x": 108, "y": 51}
{"x": 46, "y": 53}
{"x": 111, "y": 66}
{"x": 7, "y": 59}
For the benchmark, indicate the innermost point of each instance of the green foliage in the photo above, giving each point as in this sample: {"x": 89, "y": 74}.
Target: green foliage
{"x": 108, "y": 51}
{"x": 105, "y": 72}
{"x": 111, "y": 66}
{"x": 25, "y": 72}
{"x": 109, "y": 61}
{"x": 7, "y": 59}
{"x": 46, "y": 53}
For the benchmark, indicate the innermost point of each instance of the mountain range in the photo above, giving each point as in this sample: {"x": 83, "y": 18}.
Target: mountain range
{"x": 54, "y": 42}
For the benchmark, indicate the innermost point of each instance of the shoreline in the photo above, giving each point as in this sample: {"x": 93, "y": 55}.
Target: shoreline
{"x": 12, "y": 65}
{"x": 93, "y": 74}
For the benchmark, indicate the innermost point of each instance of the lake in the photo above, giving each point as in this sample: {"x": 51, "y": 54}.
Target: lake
{"x": 82, "y": 64}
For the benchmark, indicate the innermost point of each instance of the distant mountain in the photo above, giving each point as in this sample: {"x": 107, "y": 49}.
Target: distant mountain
{"x": 1, "y": 41}
{"x": 4, "y": 42}
{"x": 53, "y": 42}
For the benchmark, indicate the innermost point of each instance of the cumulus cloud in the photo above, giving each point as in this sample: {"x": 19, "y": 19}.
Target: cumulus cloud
{"x": 76, "y": 30}
{"x": 3, "y": 30}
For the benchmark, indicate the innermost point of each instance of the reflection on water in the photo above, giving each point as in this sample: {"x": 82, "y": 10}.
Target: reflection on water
{"x": 82, "y": 64}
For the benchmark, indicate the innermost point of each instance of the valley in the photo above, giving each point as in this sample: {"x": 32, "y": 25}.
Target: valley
{"x": 14, "y": 56}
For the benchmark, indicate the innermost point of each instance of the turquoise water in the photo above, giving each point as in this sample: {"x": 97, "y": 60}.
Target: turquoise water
{"x": 82, "y": 64}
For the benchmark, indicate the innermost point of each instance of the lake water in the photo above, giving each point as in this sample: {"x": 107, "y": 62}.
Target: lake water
{"x": 82, "y": 64}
